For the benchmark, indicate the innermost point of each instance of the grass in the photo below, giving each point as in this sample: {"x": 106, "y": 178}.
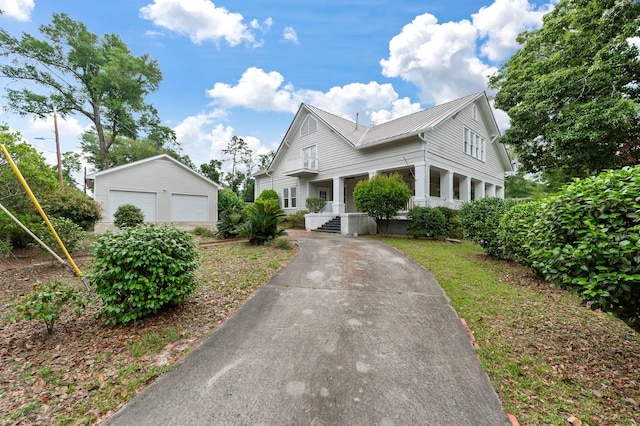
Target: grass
{"x": 547, "y": 356}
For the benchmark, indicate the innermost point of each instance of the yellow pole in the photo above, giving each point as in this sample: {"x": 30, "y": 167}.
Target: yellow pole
{"x": 42, "y": 213}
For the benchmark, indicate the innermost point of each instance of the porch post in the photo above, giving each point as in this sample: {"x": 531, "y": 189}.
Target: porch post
{"x": 491, "y": 190}
{"x": 446, "y": 187}
{"x": 422, "y": 183}
{"x": 338, "y": 195}
{"x": 479, "y": 189}
{"x": 465, "y": 188}
{"x": 500, "y": 192}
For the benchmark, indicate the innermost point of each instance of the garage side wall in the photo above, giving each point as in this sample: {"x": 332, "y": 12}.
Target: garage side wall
{"x": 169, "y": 182}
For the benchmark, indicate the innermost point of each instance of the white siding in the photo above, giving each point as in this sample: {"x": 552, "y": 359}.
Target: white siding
{"x": 160, "y": 176}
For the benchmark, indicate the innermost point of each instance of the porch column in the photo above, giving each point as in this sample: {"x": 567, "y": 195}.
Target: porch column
{"x": 479, "y": 189}
{"x": 422, "y": 184}
{"x": 338, "y": 195}
{"x": 373, "y": 174}
{"x": 446, "y": 187}
{"x": 491, "y": 190}
{"x": 465, "y": 188}
{"x": 499, "y": 191}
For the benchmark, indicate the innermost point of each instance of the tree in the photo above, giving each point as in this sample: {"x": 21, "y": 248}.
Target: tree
{"x": 82, "y": 73}
{"x": 264, "y": 160}
{"x": 239, "y": 153}
{"x": 572, "y": 90}
{"x": 212, "y": 170}
{"x": 71, "y": 163}
{"x": 381, "y": 197}
{"x": 125, "y": 150}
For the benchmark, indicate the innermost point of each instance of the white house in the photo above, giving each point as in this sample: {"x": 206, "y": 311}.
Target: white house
{"x": 447, "y": 154}
{"x": 164, "y": 189}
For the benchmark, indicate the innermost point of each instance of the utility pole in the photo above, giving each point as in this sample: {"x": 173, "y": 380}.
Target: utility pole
{"x": 55, "y": 125}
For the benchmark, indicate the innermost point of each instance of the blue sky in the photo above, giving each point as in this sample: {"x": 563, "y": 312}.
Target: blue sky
{"x": 243, "y": 67}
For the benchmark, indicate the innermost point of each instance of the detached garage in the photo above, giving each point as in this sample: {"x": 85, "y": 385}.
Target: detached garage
{"x": 164, "y": 189}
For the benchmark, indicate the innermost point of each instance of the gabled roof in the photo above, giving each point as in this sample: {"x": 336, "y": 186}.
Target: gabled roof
{"x": 362, "y": 137}
{"x": 167, "y": 157}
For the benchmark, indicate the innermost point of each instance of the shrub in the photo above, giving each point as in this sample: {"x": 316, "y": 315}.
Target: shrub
{"x": 513, "y": 231}
{"x": 426, "y": 222}
{"x": 587, "y": 238}
{"x": 294, "y": 220}
{"x": 142, "y": 270}
{"x": 281, "y": 243}
{"x": 316, "y": 204}
{"x": 73, "y": 204}
{"x": 229, "y": 222}
{"x": 480, "y": 219}
{"x": 48, "y": 302}
{"x": 202, "y": 231}
{"x": 381, "y": 197}
{"x": 229, "y": 200}
{"x": 128, "y": 215}
{"x": 262, "y": 222}
{"x": 452, "y": 217}
{"x": 268, "y": 194}
{"x": 70, "y": 234}
{"x": 5, "y": 249}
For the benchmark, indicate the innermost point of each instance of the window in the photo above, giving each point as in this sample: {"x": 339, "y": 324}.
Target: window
{"x": 289, "y": 198}
{"x": 474, "y": 144}
{"x": 310, "y": 157}
{"x": 474, "y": 112}
{"x": 309, "y": 125}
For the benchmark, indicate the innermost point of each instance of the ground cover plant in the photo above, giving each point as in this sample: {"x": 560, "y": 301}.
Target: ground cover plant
{"x": 86, "y": 370}
{"x": 549, "y": 358}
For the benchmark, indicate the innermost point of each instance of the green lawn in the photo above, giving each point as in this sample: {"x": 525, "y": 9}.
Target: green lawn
{"x": 548, "y": 357}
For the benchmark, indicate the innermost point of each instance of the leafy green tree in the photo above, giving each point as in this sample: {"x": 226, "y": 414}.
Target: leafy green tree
{"x": 212, "y": 170}
{"x": 71, "y": 163}
{"x": 97, "y": 77}
{"x": 264, "y": 160}
{"x": 41, "y": 178}
{"x": 381, "y": 197}
{"x": 125, "y": 150}
{"x": 572, "y": 90}
{"x": 519, "y": 185}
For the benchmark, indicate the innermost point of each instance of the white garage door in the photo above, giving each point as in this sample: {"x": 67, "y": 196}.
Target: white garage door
{"x": 189, "y": 208}
{"x": 145, "y": 201}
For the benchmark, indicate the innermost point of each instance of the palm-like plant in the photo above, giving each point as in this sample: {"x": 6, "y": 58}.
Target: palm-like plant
{"x": 262, "y": 222}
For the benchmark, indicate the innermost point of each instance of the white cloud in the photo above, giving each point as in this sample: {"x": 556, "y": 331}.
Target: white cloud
{"x": 264, "y": 27}
{"x": 289, "y": 34}
{"x": 445, "y": 60}
{"x": 502, "y": 21}
{"x": 201, "y": 20}
{"x": 264, "y": 91}
{"x": 17, "y": 9}
{"x": 438, "y": 58}
{"x": 68, "y": 126}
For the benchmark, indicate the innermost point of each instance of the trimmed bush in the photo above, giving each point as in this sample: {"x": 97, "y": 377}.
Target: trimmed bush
{"x": 262, "y": 222}
{"x": 381, "y": 197}
{"x": 127, "y": 216}
{"x": 426, "y": 222}
{"x": 513, "y": 231}
{"x": 587, "y": 238}
{"x": 73, "y": 204}
{"x": 70, "y": 234}
{"x": 268, "y": 194}
{"x": 452, "y": 216}
{"x": 316, "y": 204}
{"x": 143, "y": 270}
{"x": 480, "y": 219}
{"x": 229, "y": 200}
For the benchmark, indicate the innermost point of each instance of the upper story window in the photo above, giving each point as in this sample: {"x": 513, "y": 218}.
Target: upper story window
{"x": 310, "y": 157}
{"x": 474, "y": 144}
{"x": 474, "y": 112}
{"x": 309, "y": 125}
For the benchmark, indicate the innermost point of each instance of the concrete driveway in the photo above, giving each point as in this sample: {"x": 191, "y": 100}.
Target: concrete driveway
{"x": 351, "y": 332}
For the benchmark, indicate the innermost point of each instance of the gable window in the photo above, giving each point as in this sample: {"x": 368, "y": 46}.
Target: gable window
{"x": 309, "y": 125}
{"x": 474, "y": 112}
{"x": 289, "y": 198}
{"x": 474, "y": 144}
{"x": 310, "y": 157}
